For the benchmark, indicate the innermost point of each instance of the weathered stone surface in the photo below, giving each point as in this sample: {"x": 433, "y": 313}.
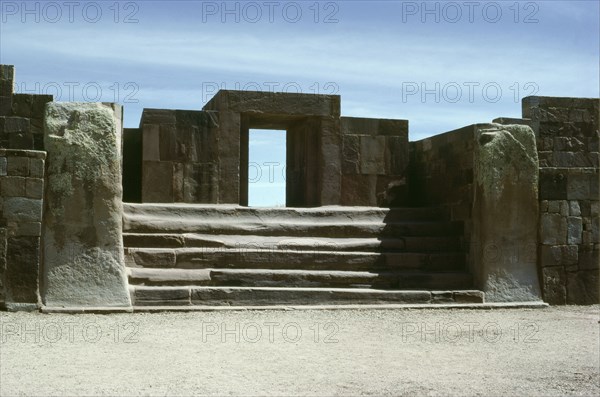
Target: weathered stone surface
{"x": 554, "y": 282}
{"x": 83, "y": 249}
{"x": 22, "y": 266}
{"x": 553, "y": 229}
{"x": 20, "y": 209}
{"x": 506, "y": 212}
{"x": 583, "y": 287}
{"x": 574, "y": 230}
{"x": 559, "y": 255}
{"x": 372, "y": 155}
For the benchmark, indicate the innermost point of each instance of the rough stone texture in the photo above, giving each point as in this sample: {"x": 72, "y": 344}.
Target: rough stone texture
{"x": 505, "y": 212}
{"x": 374, "y": 162}
{"x": 21, "y": 115}
{"x": 21, "y": 191}
{"x": 567, "y": 133}
{"x": 83, "y": 249}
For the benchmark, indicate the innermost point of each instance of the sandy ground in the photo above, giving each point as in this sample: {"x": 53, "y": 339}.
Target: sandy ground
{"x": 552, "y": 351}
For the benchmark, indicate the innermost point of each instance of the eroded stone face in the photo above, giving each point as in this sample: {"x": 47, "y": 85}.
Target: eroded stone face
{"x": 506, "y": 191}
{"x": 83, "y": 249}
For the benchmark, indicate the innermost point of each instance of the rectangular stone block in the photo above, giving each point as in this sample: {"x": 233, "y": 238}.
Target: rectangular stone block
{"x": 574, "y": 230}
{"x": 31, "y": 229}
{"x": 554, "y": 280}
{"x": 582, "y": 287}
{"x": 22, "y": 269}
{"x": 372, "y": 155}
{"x": 36, "y": 168}
{"x": 151, "y": 142}
{"x": 12, "y": 186}
{"x": 396, "y": 155}
{"x": 579, "y": 185}
{"x": 559, "y": 255}
{"x": 6, "y": 87}
{"x": 83, "y": 243}
{"x": 5, "y": 107}
{"x": 157, "y": 182}
{"x": 351, "y": 154}
{"x": 21, "y": 209}
{"x": 553, "y": 184}
{"x": 3, "y": 166}
{"x": 34, "y": 188}
{"x": 18, "y": 166}
{"x": 553, "y": 229}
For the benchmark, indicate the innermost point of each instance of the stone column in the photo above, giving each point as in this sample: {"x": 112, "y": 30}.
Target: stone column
{"x": 505, "y": 213}
{"x": 83, "y": 263}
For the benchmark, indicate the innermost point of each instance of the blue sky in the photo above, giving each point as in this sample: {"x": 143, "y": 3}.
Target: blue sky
{"x": 441, "y": 65}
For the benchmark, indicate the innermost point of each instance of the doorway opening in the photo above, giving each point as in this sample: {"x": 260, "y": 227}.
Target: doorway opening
{"x": 267, "y": 168}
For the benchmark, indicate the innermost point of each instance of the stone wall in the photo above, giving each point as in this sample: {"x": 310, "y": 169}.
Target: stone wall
{"x": 21, "y": 115}
{"x": 179, "y": 156}
{"x": 374, "y": 162}
{"x": 441, "y": 174}
{"x": 21, "y": 193}
{"x": 567, "y": 131}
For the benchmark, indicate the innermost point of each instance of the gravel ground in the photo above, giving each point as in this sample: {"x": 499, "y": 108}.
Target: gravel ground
{"x": 552, "y": 351}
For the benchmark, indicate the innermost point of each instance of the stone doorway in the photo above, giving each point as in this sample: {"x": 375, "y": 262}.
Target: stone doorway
{"x": 266, "y": 168}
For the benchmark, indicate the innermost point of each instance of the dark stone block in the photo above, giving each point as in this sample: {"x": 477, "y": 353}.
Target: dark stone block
{"x": 350, "y": 154}
{"x": 157, "y": 182}
{"x": 5, "y": 106}
{"x": 6, "y": 87}
{"x": 582, "y": 288}
{"x": 553, "y": 184}
{"x": 554, "y": 285}
{"x": 22, "y": 267}
{"x": 157, "y": 116}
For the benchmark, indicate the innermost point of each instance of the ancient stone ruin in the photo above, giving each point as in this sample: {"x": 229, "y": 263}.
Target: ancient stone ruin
{"x": 97, "y": 217}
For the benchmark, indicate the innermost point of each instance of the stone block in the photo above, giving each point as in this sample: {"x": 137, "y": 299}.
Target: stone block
{"x": 505, "y": 180}
{"x": 553, "y": 184}
{"x": 554, "y": 206}
{"x": 36, "y": 168}
{"x": 157, "y": 182}
{"x": 553, "y": 229}
{"x": 151, "y": 142}
{"x": 6, "y": 87}
{"x": 583, "y": 287}
{"x": 34, "y": 188}
{"x": 32, "y": 229}
{"x": 564, "y": 208}
{"x": 372, "y": 155}
{"x": 21, "y": 209}
{"x": 579, "y": 185}
{"x": 22, "y": 269}
{"x": 558, "y": 255}
{"x": 554, "y": 280}
{"x": 359, "y": 190}
{"x": 589, "y": 257}
{"x": 3, "y": 166}
{"x": 351, "y": 154}
{"x": 396, "y": 155}
{"x": 18, "y": 166}
{"x": 574, "y": 230}
{"x": 12, "y": 186}
{"x": 574, "y": 209}
{"x": 5, "y": 106}
{"x": 83, "y": 244}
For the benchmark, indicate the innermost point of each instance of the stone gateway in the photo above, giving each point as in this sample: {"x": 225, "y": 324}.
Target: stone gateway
{"x": 97, "y": 217}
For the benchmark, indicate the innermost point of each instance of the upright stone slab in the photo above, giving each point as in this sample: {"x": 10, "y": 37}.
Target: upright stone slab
{"x": 505, "y": 213}
{"x": 83, "y": 249}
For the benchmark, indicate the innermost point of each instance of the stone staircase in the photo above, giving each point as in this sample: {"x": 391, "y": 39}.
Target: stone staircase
{"x": 225, "y": 255}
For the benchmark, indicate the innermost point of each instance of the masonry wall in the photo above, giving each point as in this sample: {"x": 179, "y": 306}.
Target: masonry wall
{"x": 21, "y": 193}
{"x": 567, "y": 131}
{"x": 21, "y": 115}
{"x": 374, "y": 162}
{"x": 179, "y": 157}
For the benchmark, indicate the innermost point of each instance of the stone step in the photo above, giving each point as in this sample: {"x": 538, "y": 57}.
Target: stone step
{"x": 192, "y": 240}
{"x": 236, "y": 213}
{"x": 295, "y": 222}
{"x": 205, "y": 258}
{"x": 268, "y": 296}
{"x": 298, "y": 278}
